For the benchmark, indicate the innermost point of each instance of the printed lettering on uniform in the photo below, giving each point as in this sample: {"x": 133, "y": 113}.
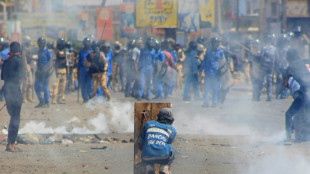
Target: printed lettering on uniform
{"x": 158, "y": 130}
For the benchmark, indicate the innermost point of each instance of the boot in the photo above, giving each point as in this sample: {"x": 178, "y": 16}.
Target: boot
{"x": 61, "y": 101}
{"x": 164, "y": 169}
{"x": 29, "y": 93}
{"x": 24, "y": 98}
{"x": 10, "y": 147}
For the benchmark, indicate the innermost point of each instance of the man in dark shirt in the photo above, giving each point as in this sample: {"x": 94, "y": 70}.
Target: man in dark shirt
{"x": 11, "y": 75}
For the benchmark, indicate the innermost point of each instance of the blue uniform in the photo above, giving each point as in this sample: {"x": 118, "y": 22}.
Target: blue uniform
{"x": 3, "y": 55}
{"x": 145, "y": 66}
{"x": 191, "y": 74}
{"x": 157, "y": 83}
{"x": 41, "y": 81}
{"x": 155, "y": 140}
{"x": 212, "y": 83}
{"x": 84, "y": 77}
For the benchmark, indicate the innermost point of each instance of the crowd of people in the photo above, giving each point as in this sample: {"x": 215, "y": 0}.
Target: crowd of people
{"x": 151, "y": 69}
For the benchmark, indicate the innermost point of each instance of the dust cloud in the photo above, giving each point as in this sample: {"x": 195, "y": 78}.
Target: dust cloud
{"x": 113, "y": 117}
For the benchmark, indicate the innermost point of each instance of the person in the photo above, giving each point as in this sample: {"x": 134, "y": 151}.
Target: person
{"x": 44, "y": 71}
{"x": 117, "y": 61}
{"x": 132, "y": 69}
{"x": 267, "y": 58}
{"x": 84, "y": 77}
{"x": 98, "y": 67}
{"x": 61, "y": 65}
{"x": 191, "y": 71}
{"x": 27, "y": 83}
{"x": 105, "y": 47}
{"x": 211, "y": 67}
{"x": 157, "y": 81}
{"x": 4, "y": 50}
{"x": 180, "y": 58}
{"x": 281, "y": 65}
{"x": 145, "y": 67}
{"x": 155, "y": 141}
{"x": 12, "y": 74}
{"x": 300, "y": 106}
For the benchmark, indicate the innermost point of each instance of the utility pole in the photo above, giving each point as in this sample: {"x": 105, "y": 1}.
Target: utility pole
{"x": 284, "y": 17}
{"x": 261, "y": 18}
{"x": 219, "y": 16}
{"x": 237, "y": 17}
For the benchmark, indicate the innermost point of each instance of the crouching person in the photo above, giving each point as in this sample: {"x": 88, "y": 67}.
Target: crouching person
{"x": 155, "y": 142}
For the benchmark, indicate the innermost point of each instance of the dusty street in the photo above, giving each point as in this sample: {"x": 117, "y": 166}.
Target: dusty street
{"x": 240, "y": 137}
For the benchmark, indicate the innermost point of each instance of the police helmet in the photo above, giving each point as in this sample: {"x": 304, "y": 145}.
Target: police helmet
{"x": 117, "y": 45}
{"x": 26, "y": 39}
{"x": 283, "y": 40}
{"x": 95, "y": 45}
{"x": 192, "y": 45}
{"x": 165, "y": 115}
{"x": 41, "y": 41}
{"x": 269, "y": 38}
{"x": 201, "y": 40}
{"x": 131, "y": 44}
{"x": 68, "y": 45}
{"x": 60, "y": 44}
{"x": 86, "y": 41}
{"x": 150, "y": 42}
{"x": 106, "y": 44}
{"x": 200, "y": 48}
{"x": 157, "y": 44}
{"x": 297, "y": 31}
{"x": 50, "y": 45}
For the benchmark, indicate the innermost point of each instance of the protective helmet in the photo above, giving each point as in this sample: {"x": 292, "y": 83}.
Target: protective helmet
{"x": 131, "y": 44}
{"x": 283, "y": 40}
{"x": 200, "y": 48}
{"x": 106, "y": 44}
{"x": 41, "y": 42}
{"x": 269, "y": 38}
{"x": 60, "y": 44}
{"x": 201, "y": 40}
{"x": 150, "y": 42}
{"x": 170, "y": 43}
{"x": 95, "y": 45}
{"x": 117, "y": 45}
{"x": 50, "y": 45}
{"x": 26, "y": 40}
{"x": 68, "y": 45}
{"x": 86, "y": 41}
{"x": 157, "y": 44}
{"x": 165, "y": 115}
{"x": 192, "y": 45}
{"x": 297, "y": 31}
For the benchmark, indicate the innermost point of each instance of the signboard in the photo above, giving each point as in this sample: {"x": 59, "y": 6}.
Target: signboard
{"x": 207, "y": 12}
{"x": 104, "y": 24}
{"x": 188, "y": 15}
{"x": 128, "y": 20}
{"x": 297, "y": 9}
{"x": 156, "y": 13}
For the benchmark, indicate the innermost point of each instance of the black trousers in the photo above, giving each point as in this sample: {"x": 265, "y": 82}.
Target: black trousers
{"x": 13, "y": 99}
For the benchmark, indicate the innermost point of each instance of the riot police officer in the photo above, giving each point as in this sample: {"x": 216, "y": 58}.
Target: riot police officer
{"x": 145, "y": 67}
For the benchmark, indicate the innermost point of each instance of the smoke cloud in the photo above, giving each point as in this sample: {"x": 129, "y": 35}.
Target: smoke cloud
{"x": 114, "y": 117}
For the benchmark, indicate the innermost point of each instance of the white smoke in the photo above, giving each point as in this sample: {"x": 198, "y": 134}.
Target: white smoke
{"x": 115, "y": 117}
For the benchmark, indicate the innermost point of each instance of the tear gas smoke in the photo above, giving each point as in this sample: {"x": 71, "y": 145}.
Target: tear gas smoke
{"x": 114, "y": 118}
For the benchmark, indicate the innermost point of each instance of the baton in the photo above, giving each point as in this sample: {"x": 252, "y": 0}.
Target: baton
{"x": 2, "y": 107}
